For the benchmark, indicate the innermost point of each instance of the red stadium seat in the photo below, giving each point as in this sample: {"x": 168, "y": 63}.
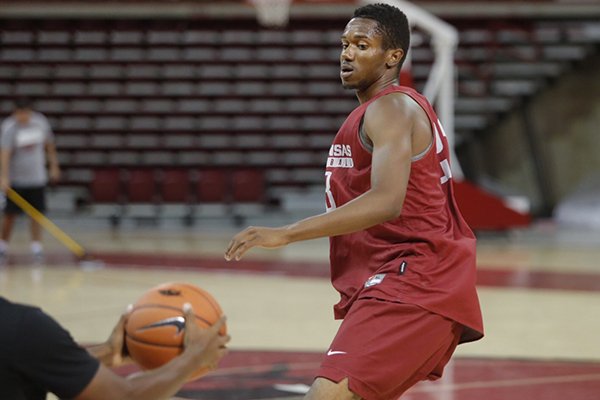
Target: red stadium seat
{"x": 248, "y": 186}
{"x": 141, "y": 186}
{"x": 106, "y": 186}
{"x": 175, "y": 186}
{"x": 213, "y": 186}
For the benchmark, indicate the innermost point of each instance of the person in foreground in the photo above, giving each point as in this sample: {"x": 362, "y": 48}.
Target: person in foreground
{"x": 38, "y": 356}
{"x": 402, "y": 257}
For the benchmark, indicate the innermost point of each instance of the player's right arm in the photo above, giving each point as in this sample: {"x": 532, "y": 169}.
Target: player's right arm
{"x": 203, "y": 348}
{"x": 5, "y": 155}
{"x": 390, "y": 123}
{"x": 4, "y": 169}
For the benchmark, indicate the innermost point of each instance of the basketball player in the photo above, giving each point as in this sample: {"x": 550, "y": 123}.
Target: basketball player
{"x": 402, "y": 257}
{"x": 38, "y": 356}
{"x": 26, "y": 146}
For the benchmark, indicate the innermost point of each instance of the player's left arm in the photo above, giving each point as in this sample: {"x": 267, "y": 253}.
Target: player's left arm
{"x": 389, "y": 124}
{"x": 53, "y": 166}
{"x": 50, "y": 147}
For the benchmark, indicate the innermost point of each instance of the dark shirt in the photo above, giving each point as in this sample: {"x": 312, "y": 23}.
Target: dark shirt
{"x": 38, "y": 356}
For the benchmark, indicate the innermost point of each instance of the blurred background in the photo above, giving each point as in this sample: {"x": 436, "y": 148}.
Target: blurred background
{"x": 164, "y": 109}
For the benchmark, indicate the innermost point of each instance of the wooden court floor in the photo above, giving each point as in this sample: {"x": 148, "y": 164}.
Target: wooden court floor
{"x": 539, "y": 289}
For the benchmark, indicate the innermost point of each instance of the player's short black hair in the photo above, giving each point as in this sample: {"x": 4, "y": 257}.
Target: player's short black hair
{"x": 392, "y": 22}
{"x": 23, "y": 103}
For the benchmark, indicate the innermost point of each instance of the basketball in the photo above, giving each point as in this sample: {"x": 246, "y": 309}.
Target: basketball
{"x": 155, "y": 328}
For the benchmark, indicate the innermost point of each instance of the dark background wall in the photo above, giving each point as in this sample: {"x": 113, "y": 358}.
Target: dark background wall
{"x": 564, "y": 122}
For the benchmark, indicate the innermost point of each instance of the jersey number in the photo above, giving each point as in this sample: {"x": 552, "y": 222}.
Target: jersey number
{"x": 444, "y": 164}
{"x": 439, "y": 147}
{"x": 330, "y": 203}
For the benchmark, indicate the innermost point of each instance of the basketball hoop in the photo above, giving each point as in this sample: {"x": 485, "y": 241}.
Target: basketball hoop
{"x": 272, "y": 13}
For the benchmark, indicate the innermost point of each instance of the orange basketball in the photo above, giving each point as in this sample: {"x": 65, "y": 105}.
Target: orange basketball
{"x": 154, "y": 329}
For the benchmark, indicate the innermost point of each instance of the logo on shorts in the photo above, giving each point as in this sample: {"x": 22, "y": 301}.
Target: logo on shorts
{"x": 374, "y": 280}
{"x": 333, "y": 353}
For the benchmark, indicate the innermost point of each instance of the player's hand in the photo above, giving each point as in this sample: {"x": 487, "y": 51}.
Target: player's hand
{"x": 207, "y": 344}
{"x": 116, "y": 342}
{"x": 255, "y": 236}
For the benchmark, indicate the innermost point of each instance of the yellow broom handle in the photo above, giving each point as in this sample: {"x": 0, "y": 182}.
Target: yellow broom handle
{"x": 46, "y": 223}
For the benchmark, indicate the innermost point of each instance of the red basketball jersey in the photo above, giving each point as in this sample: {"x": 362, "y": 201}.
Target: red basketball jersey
{"x": 426, "y": 256}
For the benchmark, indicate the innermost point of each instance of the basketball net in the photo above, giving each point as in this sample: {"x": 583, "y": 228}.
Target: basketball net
{"x": 272, "y": 13}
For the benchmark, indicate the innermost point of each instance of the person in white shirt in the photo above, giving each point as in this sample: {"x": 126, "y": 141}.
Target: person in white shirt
{"x": 28, "y": 162}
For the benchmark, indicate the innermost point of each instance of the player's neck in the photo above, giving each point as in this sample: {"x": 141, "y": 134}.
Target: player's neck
{"x": 377, "y": 86}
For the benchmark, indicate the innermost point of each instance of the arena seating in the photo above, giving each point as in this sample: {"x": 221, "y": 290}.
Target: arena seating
{"x": 183, "y": 111}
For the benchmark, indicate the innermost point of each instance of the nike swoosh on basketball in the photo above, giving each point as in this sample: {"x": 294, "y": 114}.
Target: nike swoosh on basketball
{"x": 332, "y": 353}
{"x": 177, "y": 322}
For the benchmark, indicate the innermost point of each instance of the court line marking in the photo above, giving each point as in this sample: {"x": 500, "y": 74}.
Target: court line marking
{"x": 507, "y": 383}
{"x": 433, "y": 387}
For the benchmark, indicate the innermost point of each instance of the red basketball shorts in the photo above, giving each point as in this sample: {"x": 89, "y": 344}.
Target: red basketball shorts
{"x": 384, "y": 348}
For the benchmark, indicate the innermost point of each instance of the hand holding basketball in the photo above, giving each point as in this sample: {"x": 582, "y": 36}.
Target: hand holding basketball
{"x": 116, "y": 342}
{"x": 173, "y": 319}
{"x": 112, "y": 352}
{"x": 206, "y": 345}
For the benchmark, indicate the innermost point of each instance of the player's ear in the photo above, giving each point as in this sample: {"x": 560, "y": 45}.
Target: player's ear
{"x": 394, "y": 57}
